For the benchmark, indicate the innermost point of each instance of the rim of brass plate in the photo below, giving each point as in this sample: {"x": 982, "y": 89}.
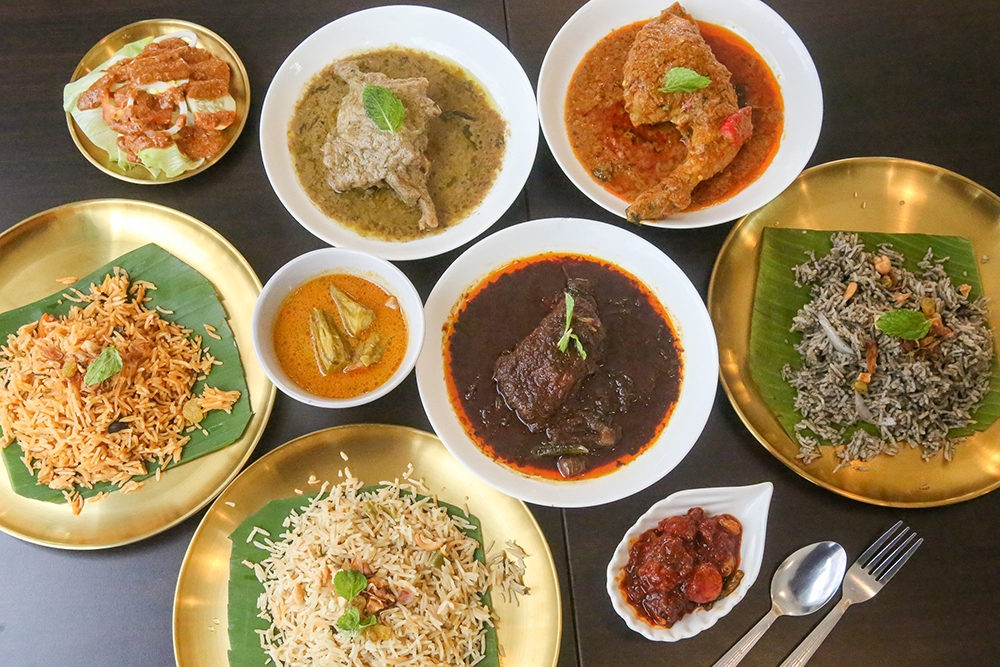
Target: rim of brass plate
{"x": 100, "y": 222}
{"x": 239, "y": 88}
{"x": 878, "y": 194}
{"x": 530, "y": 632}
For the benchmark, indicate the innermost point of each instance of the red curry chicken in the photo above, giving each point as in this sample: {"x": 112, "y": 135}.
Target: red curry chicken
{"x": 673, "y": 115}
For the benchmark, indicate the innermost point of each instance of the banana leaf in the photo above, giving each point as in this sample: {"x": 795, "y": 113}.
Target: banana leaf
{"x": 778, "y": 299}
{"x": 244, "y": 589}
{"x": 194, "y": 302}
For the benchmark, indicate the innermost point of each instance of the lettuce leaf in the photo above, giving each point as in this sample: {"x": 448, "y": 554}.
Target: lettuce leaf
{"x": 159, "y": 161}
{"x": 169, "y": 161}
{"x": 73, "y": 90}
{"x": 91, "y": 123}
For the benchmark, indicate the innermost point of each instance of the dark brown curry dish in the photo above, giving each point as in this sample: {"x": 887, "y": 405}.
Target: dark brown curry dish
{"x": 556, "y": 396}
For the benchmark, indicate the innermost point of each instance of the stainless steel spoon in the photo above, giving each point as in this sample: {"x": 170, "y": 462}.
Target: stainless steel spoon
{"x": 803, "y": 584}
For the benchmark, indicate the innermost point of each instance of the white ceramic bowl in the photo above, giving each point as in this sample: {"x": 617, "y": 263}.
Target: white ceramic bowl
{"x": 752, "y": 20}
{"x": 749, "y": 504}
{"x": 425, "y": 29}
{"x": 312, "y": 265}
{"x": 651, "y": 267}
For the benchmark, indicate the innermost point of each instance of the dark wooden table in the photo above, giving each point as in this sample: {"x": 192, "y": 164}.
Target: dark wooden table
{"x": 905, "y": 78}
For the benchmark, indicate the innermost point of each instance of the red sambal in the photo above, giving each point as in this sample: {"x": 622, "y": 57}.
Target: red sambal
{"x": 686, "y": 562}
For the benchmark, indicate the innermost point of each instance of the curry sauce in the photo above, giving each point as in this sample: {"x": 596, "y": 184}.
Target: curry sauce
{"x": 293, "y": 342}
{"x": 627, "y": 160}
{"x": 466, "y": 147}
{"x": 634, "y": 388}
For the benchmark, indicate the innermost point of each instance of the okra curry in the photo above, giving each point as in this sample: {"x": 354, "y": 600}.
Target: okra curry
{"x": 340, "y": 335}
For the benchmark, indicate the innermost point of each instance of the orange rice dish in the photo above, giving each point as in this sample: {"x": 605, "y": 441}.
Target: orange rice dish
{"x": 76, "y": 434}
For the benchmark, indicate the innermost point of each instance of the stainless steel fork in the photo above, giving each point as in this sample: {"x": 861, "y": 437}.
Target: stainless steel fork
{"x": 866, "y": 577}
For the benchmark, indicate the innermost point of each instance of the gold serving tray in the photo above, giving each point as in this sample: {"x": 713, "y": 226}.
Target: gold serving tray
{"x": 529, "y": 632}
{"x": 868, "y": 195}
{"x": 73, "y": 240}
{"x": 239, "y": 88}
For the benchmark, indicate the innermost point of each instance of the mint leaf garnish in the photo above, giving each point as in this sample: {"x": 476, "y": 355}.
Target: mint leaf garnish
{"x": 348, "y": 583}
{"x": 683, "y": 80}
{"x": 107, "y": 363}
{"x": 384, "y": 108}
{"x": 906, "y": 324}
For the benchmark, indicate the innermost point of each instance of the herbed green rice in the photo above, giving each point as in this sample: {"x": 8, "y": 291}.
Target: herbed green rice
{"x": 913, "y": 397}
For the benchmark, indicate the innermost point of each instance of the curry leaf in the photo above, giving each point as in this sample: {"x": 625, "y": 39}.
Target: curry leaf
{"x": 107, "y": 363}
{"x": 568, "y": 331}
{"x": 348, "y": 583}
{"x": 683, "y": 80}
{"x": 907, "y": 324}
{"x": 384, "y": 108}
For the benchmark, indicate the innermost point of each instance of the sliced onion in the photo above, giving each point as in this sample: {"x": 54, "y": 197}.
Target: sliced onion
{"x": 186, "y": 35}
{"x": 180, "y": 120}
{"x": 863, "y": 410}
{"x": 837, "y": 341}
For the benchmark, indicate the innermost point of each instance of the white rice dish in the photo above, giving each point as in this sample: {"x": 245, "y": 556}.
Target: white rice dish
{"x": 911, "y": 391}
{"x": 423, "y": 585}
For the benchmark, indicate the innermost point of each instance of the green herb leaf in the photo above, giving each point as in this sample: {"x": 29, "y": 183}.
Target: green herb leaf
{"x": 107, "y": 363}
{"x": 384, "y": 108}
{"x": 348, "y": 583}
{"x": 351, "y": 623}
{"x": 907, "y": 324}
{"x": 683, "y": 80}
{"x": 568, "y": 332}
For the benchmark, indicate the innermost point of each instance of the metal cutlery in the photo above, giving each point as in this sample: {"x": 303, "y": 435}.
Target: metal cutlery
{"x": 803, "y": 584}
{"x": 866, "y": 577}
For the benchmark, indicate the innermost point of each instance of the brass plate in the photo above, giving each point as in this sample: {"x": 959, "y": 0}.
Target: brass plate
{"x": 239, "y": 88}
{"x": 529, "y": 632}
{"x": 871, "y": 195}
{"x": 74, "y": 239}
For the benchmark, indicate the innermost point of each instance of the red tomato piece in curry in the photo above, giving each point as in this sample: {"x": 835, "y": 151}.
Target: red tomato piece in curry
{"x": 626, "y": 160}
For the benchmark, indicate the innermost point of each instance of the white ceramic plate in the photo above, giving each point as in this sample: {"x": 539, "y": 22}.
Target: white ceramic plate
{"x": 650, "y": 266}
{"x": 749, "y": 504}
{"x": 425, "y": 29}
{"x": 755, "y": 22}
{"x": 311, "y": 265}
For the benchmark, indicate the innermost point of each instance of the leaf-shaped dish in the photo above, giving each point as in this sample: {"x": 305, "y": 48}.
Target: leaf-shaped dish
{"x": 749, "y": 504}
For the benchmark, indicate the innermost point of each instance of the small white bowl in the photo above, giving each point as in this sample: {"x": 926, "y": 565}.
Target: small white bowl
{"x": 749, "y": 504}
{"x": 445, "y": 35}
{"x": 647, "y": 264}
{"x": 312, "y": 265}
{"x": 758, "y": 24}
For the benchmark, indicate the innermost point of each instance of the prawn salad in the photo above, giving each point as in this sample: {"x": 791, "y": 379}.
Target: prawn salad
{"x": 366, "y": 576}
{"x": 157, "y": 102}
{"x": 888, "y": 355}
